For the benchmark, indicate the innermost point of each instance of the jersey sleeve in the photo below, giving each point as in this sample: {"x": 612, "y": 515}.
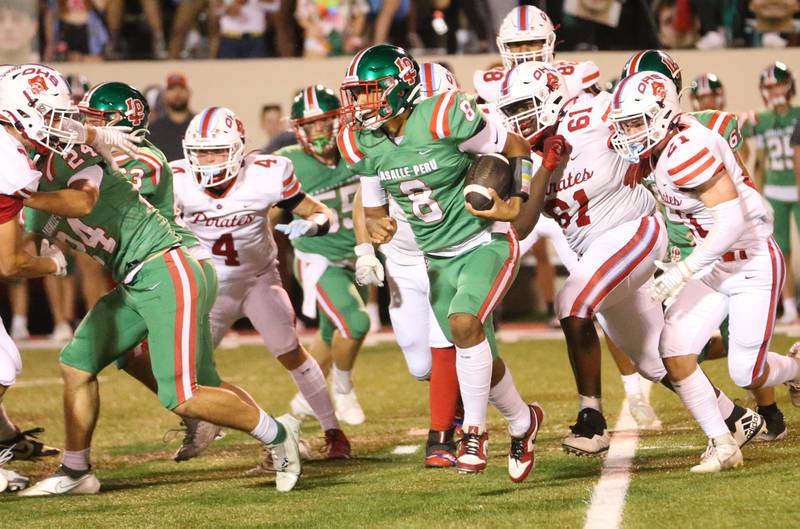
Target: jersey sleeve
{"x": 10, "y": 207}
{"x": 455, "y": 116}
{"x": 487, "y": 83}
{"x": 290, "y": 185}
{"x": 693, "y": 161}
{"x": 147, "y": 168}
{"x": 18, "y": 175}
{"x": 349, "y": 148}
{"x": 373, "y": 195}
{"x": 726, "y": 124}
{"x": 747, "y": 124}
{"x": 178, "y": 176}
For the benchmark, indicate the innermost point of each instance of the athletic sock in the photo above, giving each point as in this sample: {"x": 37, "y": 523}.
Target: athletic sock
{"x": 505, "y": 397}
{"x": 698, "y": 396}
{"x": 632, "y": 384}
{"x": 268, "y": 430}
{"x": 342, "y": 381}
{"x": 443, "y": 389}
{"x": 311, "y": 383}
{"x": 725, "y": 405}
{"x": 474, "y": 368}
{"x": 76, "y": 460}
{"x": 781, "y": 369}
{"x": 596, "y": 403}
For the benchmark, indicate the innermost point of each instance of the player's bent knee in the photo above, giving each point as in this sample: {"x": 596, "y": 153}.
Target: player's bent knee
{"x": 466, "y": 328}
{"x": 359, "y": 324}
{"x": 741, "y": 374}
{"x": 420, "y": 368}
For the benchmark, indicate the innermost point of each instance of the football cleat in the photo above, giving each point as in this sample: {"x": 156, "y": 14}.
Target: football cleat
{"x": 776, "y": 426}
{"x": 347, "y": 407}
{"x": 265, "y": 464}
{"x": 26, "y": 445}
{"x": 199, "y": 434}
{"x": 301, "y": 408}
{"x": 336, "y": 444}
{"x": 440, "y": 449}
{"x": 286, "y": 455}
{"x": 589, "y": 435}
{"x": 521, "y": 456}
{"x": 61, "y": 483}
{"x": 745, "y": 424}
{"x": 794, "y": 385}
{"x": 721, "y": 454}
{"x": 644, "y": 414}
{"x": 10, "y": 481}
{"x": 473, "y": 451}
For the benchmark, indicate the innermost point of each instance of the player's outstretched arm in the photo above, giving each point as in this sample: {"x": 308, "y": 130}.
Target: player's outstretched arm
{"x": 15, "y": 262}
{"x": 316, "y": 219}
{"x": 74, "y": 202}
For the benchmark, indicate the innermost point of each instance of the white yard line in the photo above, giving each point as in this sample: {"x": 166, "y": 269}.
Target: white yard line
{"x": 608, "y": 498}
{"x": 405, "y": 450}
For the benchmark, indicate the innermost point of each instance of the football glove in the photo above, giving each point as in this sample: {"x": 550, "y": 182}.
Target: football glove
{"x": 667, "y": 286}
{"x": 54, "y": 252}
{"x": 369, "y": 270}
{"x": 297, "y": 228}
{"x": 555, "y": 149}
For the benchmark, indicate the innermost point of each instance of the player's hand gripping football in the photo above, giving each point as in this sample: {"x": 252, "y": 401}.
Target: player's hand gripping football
{"x": 54, "y": 252}
{"x": 381, "y": 230}
{"x": 667, "y": 286}
{"x": 369, "y": 270}
{"x": 555, "y": 150}
{"x": 501, "y": 210}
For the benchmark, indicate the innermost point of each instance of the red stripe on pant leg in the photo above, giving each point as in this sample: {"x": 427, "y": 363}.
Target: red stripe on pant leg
{"x": 608, "y": 265}
{"x": 192, "y": 319}
{"x": 488, "y": 306}
{"x": 176, "y": 282}
{"x": 776, "y": 262}
{"x": 336, "y": 314}
{"x": 625, "y": 273}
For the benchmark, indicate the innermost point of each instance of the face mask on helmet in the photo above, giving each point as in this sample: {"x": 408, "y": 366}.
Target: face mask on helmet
{"x": 532, "y": 100}
{"x": 57, "y": 134}
{"x": 367, "y": 102}
{"x": 526, "y": 34}
{"x": 318, "y": 136}
{"x": 214, "y": 146}
{"x": 776, "y": 93}
{"x": 212, "y": 166}
{"x": 515, "y": 53}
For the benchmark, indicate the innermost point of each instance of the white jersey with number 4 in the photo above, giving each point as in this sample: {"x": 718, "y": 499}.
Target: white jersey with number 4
{"x": 578, "y": 75}
{"x": 690, "y": 159}
{"x": 589, "y": 197}
{"x": 234, "y": 226}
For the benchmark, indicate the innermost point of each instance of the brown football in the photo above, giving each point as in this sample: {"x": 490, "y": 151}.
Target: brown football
{"x": 487, "y": 171}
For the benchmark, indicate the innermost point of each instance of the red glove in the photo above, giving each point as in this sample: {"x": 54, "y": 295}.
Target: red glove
{"x": 554, "y": 150}
{"x": 636, "y": 173}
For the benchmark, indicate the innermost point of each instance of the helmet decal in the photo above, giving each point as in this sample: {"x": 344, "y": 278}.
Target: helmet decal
{"x": 135, "y": 112}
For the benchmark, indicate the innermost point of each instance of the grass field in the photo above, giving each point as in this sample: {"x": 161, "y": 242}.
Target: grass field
{"x": 143, "y": 487}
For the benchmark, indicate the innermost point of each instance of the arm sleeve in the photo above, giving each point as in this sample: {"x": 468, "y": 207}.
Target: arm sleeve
{"x": 694, "y": 162}
{"x": 93, "y": 173}
{"x": 373, "y": 195}
{"x": 490, "y": 138}
{"x": 728, "y": 228}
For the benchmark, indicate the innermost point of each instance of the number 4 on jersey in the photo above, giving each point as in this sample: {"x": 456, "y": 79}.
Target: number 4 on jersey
{"x": 225, "y": 247}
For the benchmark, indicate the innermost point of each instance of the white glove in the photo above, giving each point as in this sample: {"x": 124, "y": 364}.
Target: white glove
{"x": 668, "y": 285}
{"x": 369, "y": 270}
{"x": 109, "y": 139}
{"x": 297, "y": 228}
{"x": 54, "y": 252}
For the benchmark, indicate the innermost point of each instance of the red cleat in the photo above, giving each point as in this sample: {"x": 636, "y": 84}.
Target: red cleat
{"x": 521, "y": 456}
{"x": 473, "y": 452}
{"x": 338, "y": 447}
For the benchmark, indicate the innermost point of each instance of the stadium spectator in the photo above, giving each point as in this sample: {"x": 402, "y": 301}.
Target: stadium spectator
{"x": 274, "y": 127}
{"x": 76, "y": 31}
{"x": 242, "y": 25}
{"x": 187, "y": 16}
{"x": 332, "y": 27}
{"x": 477, "y": 13}
{"x": 18, "y": 26}
{"x": 389, "y": 19}
{"x": 152, "y": 13}
{"x": 774, "y": 25}
{"x": 678, "y": 27}
{"x": 167, "y": 131}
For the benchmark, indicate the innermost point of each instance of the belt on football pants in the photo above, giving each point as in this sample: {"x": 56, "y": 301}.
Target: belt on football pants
{"x": 734, "y": 255}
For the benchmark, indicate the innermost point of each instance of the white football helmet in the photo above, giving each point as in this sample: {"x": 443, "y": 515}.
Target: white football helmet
{"x": 435, "y": 79}
{"x": 644, "y": 107}
{"x": 36, "y": 100}
{"x": 526, "y": 24}
{"x": 532, "y": 99}
{"x": 213, "y": 133}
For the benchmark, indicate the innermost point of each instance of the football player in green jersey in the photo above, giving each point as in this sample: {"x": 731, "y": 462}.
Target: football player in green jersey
{"x": 95, "y": 210}
{"x": 324, "y": 265}
{"x": 120, "y": 104}
{"x": 774, "y": 170}
{"x": 418, "y": 153}
{"x": 706, "y": 92}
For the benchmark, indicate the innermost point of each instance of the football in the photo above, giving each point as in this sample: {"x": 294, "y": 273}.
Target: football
{"x": 487, "y": 171}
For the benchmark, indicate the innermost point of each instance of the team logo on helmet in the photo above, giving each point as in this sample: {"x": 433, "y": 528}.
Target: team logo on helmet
{"x": 658, "y": 89}
{"x": 135, "y": 111}
{"x": 37, "y": 84}
{"x": 552, "y": 81}
{"x": 407, "y": 71}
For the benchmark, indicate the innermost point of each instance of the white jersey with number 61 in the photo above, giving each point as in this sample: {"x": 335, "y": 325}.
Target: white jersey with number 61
{"x": 234, "y": 226}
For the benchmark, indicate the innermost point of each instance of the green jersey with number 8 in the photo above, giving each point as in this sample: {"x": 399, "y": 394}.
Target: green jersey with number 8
{"x": 424, "y": 170}
{"x": 122, "y": 229}
{"x": 335, "y": 187}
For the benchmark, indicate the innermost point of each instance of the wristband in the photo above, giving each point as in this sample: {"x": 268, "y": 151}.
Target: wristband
{"x": 522, "y": 171}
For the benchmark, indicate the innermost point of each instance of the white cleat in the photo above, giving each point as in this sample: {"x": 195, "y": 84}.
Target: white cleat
{"x": 286, "y": 455}
{"x": 11, "y": 481}
{"x": 794, "y": 385}
{"x": 347, "y": 408}
{"x": 644, "y": 414}
{"x": 721, "y": 454}
{"x": 199, "y": 434}
{"x": 19, "y": 330}
{"x": 301, "y": 408}
{"x": 60, "y": 483}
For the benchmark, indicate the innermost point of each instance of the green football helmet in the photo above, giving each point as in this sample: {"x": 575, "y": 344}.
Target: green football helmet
{"x": 654, "y": 61}
{"x": 776, "y": 74}
{"x": 708, "y": 93}
{"x": 315, "y": 119}
{"x": 116, "y": 104}
{"x": 380, "y": 83}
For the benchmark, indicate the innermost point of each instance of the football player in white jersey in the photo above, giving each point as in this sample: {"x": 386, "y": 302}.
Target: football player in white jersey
{"x": 736, "y": 270}
{"x": 614, "y": 230}
{"x": 224, "y": 197}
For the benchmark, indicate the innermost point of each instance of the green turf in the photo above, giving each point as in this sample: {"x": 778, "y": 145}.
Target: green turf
{"x": 142, "y": 487}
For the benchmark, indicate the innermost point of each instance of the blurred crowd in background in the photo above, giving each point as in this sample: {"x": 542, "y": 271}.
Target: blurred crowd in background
{"x": 96, "y": 30}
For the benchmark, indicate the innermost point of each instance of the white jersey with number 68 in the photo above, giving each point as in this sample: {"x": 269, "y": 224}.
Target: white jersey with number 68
{"x": 234, "y": 226}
